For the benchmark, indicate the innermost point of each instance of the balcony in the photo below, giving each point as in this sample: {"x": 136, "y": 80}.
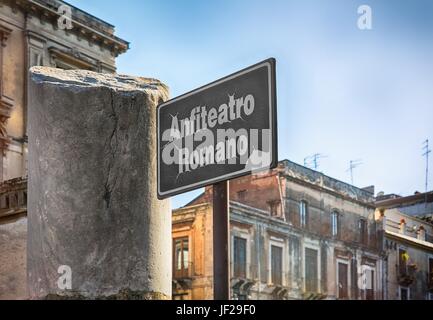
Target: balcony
{"x": 182, "y": 278}
{"x": 185, "y": 272}
{"x": 406, "y": 274}
{"x": 241, "y": 279}
{"x": 13, "y": 197}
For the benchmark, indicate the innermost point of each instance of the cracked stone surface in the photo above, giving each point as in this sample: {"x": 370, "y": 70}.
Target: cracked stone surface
{"x": 92, "y": 202}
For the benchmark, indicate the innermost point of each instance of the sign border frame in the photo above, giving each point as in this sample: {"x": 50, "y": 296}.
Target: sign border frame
{"x": 271, "y": 64}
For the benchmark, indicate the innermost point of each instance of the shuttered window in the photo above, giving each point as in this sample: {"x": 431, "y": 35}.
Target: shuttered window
{"x": 240, "y": 257}
{"x": 311, "y": 272}
{"x": 343, "y": 285}
{"x": 276, "y": 265}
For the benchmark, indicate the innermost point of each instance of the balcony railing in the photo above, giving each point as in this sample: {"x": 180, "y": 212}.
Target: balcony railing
{"x": 184, "y": 272}
{"x": 406, "y": 274}
{"x": 13, "y": 197}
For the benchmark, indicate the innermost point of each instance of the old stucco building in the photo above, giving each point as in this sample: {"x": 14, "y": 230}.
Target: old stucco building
{"x": 31, "y": 34}
{"x": 408, "y": 245}
{"x": 295, "y": 234}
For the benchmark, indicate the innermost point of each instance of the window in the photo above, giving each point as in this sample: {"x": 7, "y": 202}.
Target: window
{"x": 334, "y": 223}
{"x": 430, "y": 273}
{"x": 276, "y": 265}
{"x": 4, "y": 203}
{"x": 404, "y": 293}
{"x": 402, "y": 261}
{"x": 242, "y": 194}
{"x": 180, "y": 259}
{"x": 311, "y": 273}
{"x": 239, "y": 257}
{"x": 369, "y": 289}
{"x": 274, "y": 208}
{"x": 303, "y": 214}
{"x": 343, "y": 280}
{"x": 363, "y": 231}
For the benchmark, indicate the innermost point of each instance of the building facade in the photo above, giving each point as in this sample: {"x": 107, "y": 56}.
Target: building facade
{"x": 295, "y": 234}
{"x": 192, "y": 252}
{"x": 38, "y": 32}
{"x": 46, "y": 33}
{"x": 408, "y": 244}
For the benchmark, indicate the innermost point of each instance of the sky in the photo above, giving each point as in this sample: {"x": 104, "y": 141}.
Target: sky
{"x": 346, "y": 93}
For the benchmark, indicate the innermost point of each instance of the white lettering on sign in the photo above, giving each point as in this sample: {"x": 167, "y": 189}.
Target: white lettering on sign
{"x": 228, "y": 146}
{"x": 220, "y": 131}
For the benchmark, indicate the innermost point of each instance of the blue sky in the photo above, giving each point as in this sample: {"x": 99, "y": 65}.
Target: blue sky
{"x": 343, "y": 92}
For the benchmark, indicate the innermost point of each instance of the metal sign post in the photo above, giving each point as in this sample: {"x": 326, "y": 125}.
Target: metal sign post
{"x": 221, "y": 219}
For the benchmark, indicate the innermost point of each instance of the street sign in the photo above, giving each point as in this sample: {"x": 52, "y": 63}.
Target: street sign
{"x": 220, "y": 131}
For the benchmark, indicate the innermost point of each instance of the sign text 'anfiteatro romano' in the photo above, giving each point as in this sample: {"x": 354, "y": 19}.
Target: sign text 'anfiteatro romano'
{"x": 223, "y": 130}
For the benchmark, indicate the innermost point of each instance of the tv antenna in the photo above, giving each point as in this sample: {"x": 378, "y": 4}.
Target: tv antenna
{"x": 353, "y": 164}
{"x": 426, "y": 153}
{"x": 312, "y": 161}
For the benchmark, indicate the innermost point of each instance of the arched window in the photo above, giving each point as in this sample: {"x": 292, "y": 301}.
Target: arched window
{"x": 303, "y": 214}
{"x": 334, "y": 223}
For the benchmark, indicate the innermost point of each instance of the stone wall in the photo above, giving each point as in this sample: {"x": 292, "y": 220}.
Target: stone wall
{"x": 13, "y": 245}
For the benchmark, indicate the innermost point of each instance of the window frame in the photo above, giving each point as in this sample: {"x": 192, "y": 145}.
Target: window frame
{"x": 401, "y": 248}
{"x": 273, "y": 272}
{"x": 182, "y": 272}
{"x": 315, "y": 247}
{"x": 241, "y": 194}
{"x": 246, "y": 257}
{"x": 399, "y": 292}
{"x": 277, "y": 242}
{"x": 243, "y": 233}
{"x": 346, "y": 262}
{"x": 367, "y": 268}
{"x": 430, "y": 271}
{"x": 335, "y": 217}
{"x": 303, "y": 214}
{"x": 363, "y": 231}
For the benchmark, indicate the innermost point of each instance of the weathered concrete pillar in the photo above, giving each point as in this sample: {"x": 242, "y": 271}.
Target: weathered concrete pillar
{"x": 92, "y": 203}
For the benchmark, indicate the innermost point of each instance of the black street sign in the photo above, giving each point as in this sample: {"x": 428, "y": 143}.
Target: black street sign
{"x": 220, "y": 131}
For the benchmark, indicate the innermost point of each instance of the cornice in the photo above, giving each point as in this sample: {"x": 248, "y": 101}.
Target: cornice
{"x": 47, "y": 11}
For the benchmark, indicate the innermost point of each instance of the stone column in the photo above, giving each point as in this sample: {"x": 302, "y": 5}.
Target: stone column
{"x": 92, "y": 203}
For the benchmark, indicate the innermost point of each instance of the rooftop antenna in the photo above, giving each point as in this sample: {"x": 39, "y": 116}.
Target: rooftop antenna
{"x": 426, "y": 153}
{"x": 312, "y": 161}
{"x": 353, "y": 165}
